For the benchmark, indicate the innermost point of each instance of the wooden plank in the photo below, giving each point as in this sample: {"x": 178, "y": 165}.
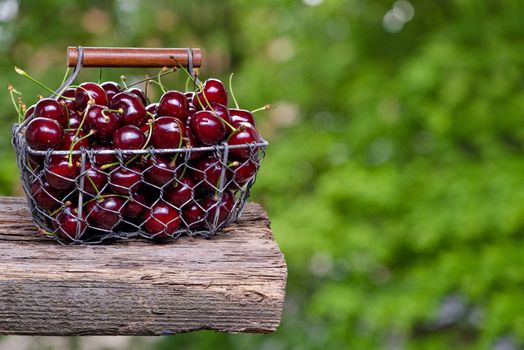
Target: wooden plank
{"x": 234, "y": 282}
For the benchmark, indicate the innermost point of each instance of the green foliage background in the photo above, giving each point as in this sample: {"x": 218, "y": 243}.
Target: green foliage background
{"x": 394, "y": 177}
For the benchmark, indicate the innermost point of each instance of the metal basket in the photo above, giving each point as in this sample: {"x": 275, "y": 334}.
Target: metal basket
{"x": 229, "y": 192}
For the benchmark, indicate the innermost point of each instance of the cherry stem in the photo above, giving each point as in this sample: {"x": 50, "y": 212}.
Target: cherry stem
{"x": 12, "y": 91}
{"x": 231, "y": 90}
{"x": 100, "y": 198}
{"x": 148, "y": 78}
{"x": 123, "y": 79}
{"x": 105, "y": 110}
{"x": 65, "y": 76}
{"x": 99, "y": 76}
{"x": 266, "y": 107}
{"x": 109, "y": 165}
{"x": 74, "y": 143}
{"x": 160, "y": 80}
{"x": 93, "y": 184}
{"x": 24, "y": 74}
{"x": 66, "y": 204}
{"x": 150, "y": 114}
{"x": 187, "y": 84}
{"x": 150, "y": 122}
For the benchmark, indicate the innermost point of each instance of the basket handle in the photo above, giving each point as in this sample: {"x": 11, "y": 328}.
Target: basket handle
{"x": 134, "y": 57}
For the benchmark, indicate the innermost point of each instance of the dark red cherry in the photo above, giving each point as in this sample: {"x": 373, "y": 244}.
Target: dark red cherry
{"x": 173, "y": 104}
{"x": 246, "y": 134}
{"x": 238, "y": 116}
{"x": 86, "y": 91}
{"x": 129, "y": 137}
{"x": 111, "y": 88}
{"x": 74, "y": 120}
{"x": 221, "y": 111}
{"x": 104, "y": 213}
{"x": 138, "y": 93}
{"x": 103, "y": 122}
{"x": 206, "y": 173}
{"x": 214, "y": 91}
{"x": 207, "y": 128}
{"x": 135, "y": 206}
{"x": 30, "y": 111}
{"x": 210, "y": 205}
{"x": 94, "y": 179}
{"x": 103, "y": 159}
{"x": 52, "y": 109}
{"x": 60, "y": 174}
{"x": 189, "y": 96}
{"x": 243, "y": 171}
{"x": 162, "y": 220}
{"x": 68, "y": 225}
{"x": 151, "y": 108}
{"x": 167, "y": 133}
{"x": 44, "y": 133}
{"x": 124, "y": 180}
{"x": 71, "y": 137}
{"x": 132, "y": 106}
{"x": 159, "y": 171}
{"x": 68, "y": 99}
{"x": 35, "y": 162}
{"x": 193, "y": 215}
{"x": 180, "y": 191}
{"x": 45, "y": 196}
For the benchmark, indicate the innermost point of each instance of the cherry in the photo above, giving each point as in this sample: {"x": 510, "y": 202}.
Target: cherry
{"x": 104, "y": 213}
{"x": 74, "y": 120}
{"x": 52, "y": 109}
{"x": 193, "y": 215}
{"x": 221, "y": 111}
{"x": 102, "y": 159}
{"x": 162, "y": 220}
{"x": 60, "y": 174}
{"x": 243, "y": 171}
{"x": 129, "y": 137}
{"x": 210, "y": 205}
{"x": 152, "y": 107}
{"x": 67, "y": 224}
{"x": 86, "y": 91}
{"x": 94, "y": 179}
{"x": 45, "y": 196}
{"x": 29, "y": 112}
{"x": 135, "y": 206}
{"x": 167, "y": 133}
{"x": 206, "y": 173}
{"x": 44, "y": 133}
{"x": 34, "y": 162}
{"x": 102, "y": 121}
{"x": 238, "y": 116}
{"x": 173, "y": 104}
{"x": 138, "y": 93}
{"x": 132, "y": 106}
{"x": 207, "y": 128}
{"x": 111, "y": 88}
{"x": 246, "y": 134}
{"x": 71, "y": 137}
{"x": 180, "y": 191}
{"x": 124, "y": 180}
{"x": 189, "y": 97}
{"x": 214, "y": 91}
{"x": 159, "y": 171}
{"x": 68, "y": 103}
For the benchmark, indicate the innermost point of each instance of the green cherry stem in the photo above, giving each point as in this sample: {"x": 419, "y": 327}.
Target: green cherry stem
{"x": 265, "y": 108}
{"x": 99, "y": 76}
{"x": 160, "y": 80}
{"x": 124, "y": 79}
{"x": 231, "y": 90}
{"x": 65, "y": 75}
{"x": 109, "y": 165}
{"x": 148, "y": 78}
{"x": 94, "y": 185}
{"x": 12, "y": 92}
{"x": 24, "y": 74}
{"x": 73, "y": 144}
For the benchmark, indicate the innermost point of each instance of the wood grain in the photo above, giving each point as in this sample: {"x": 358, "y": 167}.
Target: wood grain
{"x": 133, "y": 57}
{"x": 234, "y": 282}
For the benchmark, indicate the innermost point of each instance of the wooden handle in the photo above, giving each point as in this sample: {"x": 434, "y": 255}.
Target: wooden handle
{"x": 133, "y": 57}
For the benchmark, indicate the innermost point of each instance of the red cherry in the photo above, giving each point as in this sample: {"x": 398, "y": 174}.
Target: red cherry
{"x": 71, "y": 137}
{"x": 35, "y": 162}
{"x": 103, "y": 122}
{"x": 103, "y": 159}
{"x": 151, "y": 108}
{"x": 44, "y": 133}
{"x": 180, "y": 191}
{"x": 68, "y": 103}
{"x": 238, "y": 116}
{"x": 125, "y": 180}
{"x": 67, "y": 224}
{"x": 52, "y": 109}
{"x": 129, "y": 137}
{"x": 210, "y": 205}
{"x": 138, "y": 93}
{"x": 167, "y": 133}
{"x": 60, "y": 174}
{"x": 86, "y": 91}
{"x": 193, "y": 215}
{"x": 104, "y": 213}
{"x": 207, "y": 128}
{"x": 132, "y": 106}
{"x": 206, "y": 173}
{"x": 45, "y": 196}
{"x": 221, "y": 111}
{"x": 135, "y": 206}
{"x": 214, "y": 91}
{"x": 30, "y": 111}
{"x": 74, "y": 120}
{"x": 243, "y": 171}
{"x": 162, "y": 220}
{"x": 159, "y": 171}
{"x": 173, "y": 104}
{"x": 94, "y": 179}
{"x": 246, "y": 134}
{"x": 111, "y": 88}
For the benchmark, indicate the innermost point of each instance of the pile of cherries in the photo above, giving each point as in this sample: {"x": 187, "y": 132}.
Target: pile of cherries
{"x": 154, "y": 193}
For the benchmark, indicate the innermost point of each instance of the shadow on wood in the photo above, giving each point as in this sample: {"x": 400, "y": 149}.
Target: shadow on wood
{"x": 234, "y": 282}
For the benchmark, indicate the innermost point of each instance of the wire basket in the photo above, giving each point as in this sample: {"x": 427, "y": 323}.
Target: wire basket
{"x": 202, "y": 191}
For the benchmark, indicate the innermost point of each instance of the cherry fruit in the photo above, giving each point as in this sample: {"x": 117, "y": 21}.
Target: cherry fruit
{"x": 44, "y": 133}
{"x": 173, "y": 104}
{"x": 134, "y": 112}
{"x": 208, "y": 128}
{"x": 104, "y": 213}
{"x": 52, "y": 109}
{"x": 89, "y": 91}
{"x": 162, "y": 220}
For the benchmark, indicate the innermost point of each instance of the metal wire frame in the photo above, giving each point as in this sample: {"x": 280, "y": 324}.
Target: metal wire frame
{"x": 86, "y": 233}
